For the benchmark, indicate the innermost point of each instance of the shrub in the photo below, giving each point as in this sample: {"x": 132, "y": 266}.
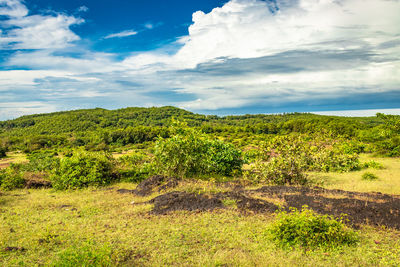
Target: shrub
{"x": 369, "y": 176}
{"x": 309, "y": 230}
{"x": 374, "y": 165}
{"x": 135, "y": 168}
{"x": 41, "y": 161}
{"x": 279, "y": 171}
{"x": 313, "y": 153}
{"x": 83, "y": 169}
{"x": 191, "y": 153}
{"x": 11, "y": 178}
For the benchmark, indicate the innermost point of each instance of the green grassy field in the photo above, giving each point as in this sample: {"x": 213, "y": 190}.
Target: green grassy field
{"x": 100, "y": 227}
{"x": 388, "y": 178}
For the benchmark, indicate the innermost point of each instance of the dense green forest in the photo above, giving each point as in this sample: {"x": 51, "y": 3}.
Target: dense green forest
{"x": 99, "y": 129}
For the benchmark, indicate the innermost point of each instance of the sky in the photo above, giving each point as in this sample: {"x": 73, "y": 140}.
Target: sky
{"x": 206, "y": 56}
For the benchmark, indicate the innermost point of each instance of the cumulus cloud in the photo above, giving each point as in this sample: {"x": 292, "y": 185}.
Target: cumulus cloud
{"x": 121, "y": 34}
{"x": 35, "y": 31}
{"x": 247, "y": 53}
{"x": 12, "y": 8}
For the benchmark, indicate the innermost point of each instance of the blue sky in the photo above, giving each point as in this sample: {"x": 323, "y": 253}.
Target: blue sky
{"x": 209, "y": 56}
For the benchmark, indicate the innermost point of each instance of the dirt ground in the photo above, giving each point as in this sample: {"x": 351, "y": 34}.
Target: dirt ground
{"x": 360, "y": 208}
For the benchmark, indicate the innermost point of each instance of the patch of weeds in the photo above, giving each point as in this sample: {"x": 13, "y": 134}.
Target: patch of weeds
{"x": 309, "y": 230}
{"x": 49, "y": 238}
{"x": 368, "y": 176}
{"x": 228, "y": 202}
{"x": 88, "y": 254}
{"x": 373, "y": 164}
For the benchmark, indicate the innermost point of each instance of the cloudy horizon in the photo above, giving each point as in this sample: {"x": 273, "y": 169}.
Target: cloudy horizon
{"x": 211, "y": 57}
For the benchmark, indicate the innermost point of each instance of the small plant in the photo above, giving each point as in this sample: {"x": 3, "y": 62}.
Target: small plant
{"x": 309, "y": 230}
{"x": 11, "y": 178}
{"x": 228, "y": 202}
{"x": 373, "y": 164}
{"x": 83, "y": 169}
{"x": 369, "y": 176}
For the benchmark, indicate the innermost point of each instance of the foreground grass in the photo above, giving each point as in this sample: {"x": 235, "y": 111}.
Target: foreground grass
{"x": 101, "y": 227}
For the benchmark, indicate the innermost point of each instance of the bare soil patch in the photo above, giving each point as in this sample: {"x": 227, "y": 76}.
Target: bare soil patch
{"x": 4, "y": 165}
{"x": 359, "y": 208}
{"x": 36, "y": 180}
{"x": 174, "y": 201}
{"x": 153, "y": 184}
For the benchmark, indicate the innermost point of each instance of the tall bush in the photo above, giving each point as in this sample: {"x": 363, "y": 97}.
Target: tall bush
{"x": 190, "y": 153}
{"x": 83, "y": 169}
{"x": 11, "y": 178}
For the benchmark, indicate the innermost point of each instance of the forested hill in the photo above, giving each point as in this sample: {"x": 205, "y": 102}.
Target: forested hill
{"x": 94, "y": 119}
{"x": 99, "y": 129}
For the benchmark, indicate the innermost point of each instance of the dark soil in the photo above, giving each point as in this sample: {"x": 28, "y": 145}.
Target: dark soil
{"x": 14, "y": 249}
{"x": 247, "y": 203}
{"x": 36, "y": 180}
{"x": 150, "y": 185}
{"x": 360, "y": 208}
{"x": 174, "y": 201}
{"x": 37, "y": 184}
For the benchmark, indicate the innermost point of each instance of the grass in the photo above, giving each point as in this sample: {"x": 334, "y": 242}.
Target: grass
{"x": 12, "y": 157}
{"x": 102, "y": 227}
{"x": 388, "y": 182}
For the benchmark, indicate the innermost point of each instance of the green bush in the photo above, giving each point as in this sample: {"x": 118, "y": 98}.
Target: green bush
{"x": 83, "y": 169}
{"x": 191, "y": 153}
{"x": 278, "y": 171}
{"x": 11, "y": 178}
{"x": 369, "y": 176}
{"x": 373, "y": 164}
{"x": 309, "y": 230}
{"x": 135, "y": 168}
{"x": 41, "y": 161}
{"x": 313, "y": 152}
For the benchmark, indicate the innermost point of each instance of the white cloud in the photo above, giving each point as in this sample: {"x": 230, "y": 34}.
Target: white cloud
{"x": 149, "y": 26}
{"x": 83, "y": 9}
{"x": 247, "y": 28}
{"x": 36, "y": 31}
{"x": 16, "y": 109}
{"x": 238, "y": 55}
{"x": 45, "y": 60}
{"x": 121, "y": 34}
{"x": 12, "y": 8}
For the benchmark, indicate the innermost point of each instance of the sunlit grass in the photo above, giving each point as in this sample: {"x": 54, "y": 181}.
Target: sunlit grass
{"x": 103, "y": 227}
{"x": 95, "y": 227}
{"x": 388, "y": 178}
{"x": 13, "y": 157}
